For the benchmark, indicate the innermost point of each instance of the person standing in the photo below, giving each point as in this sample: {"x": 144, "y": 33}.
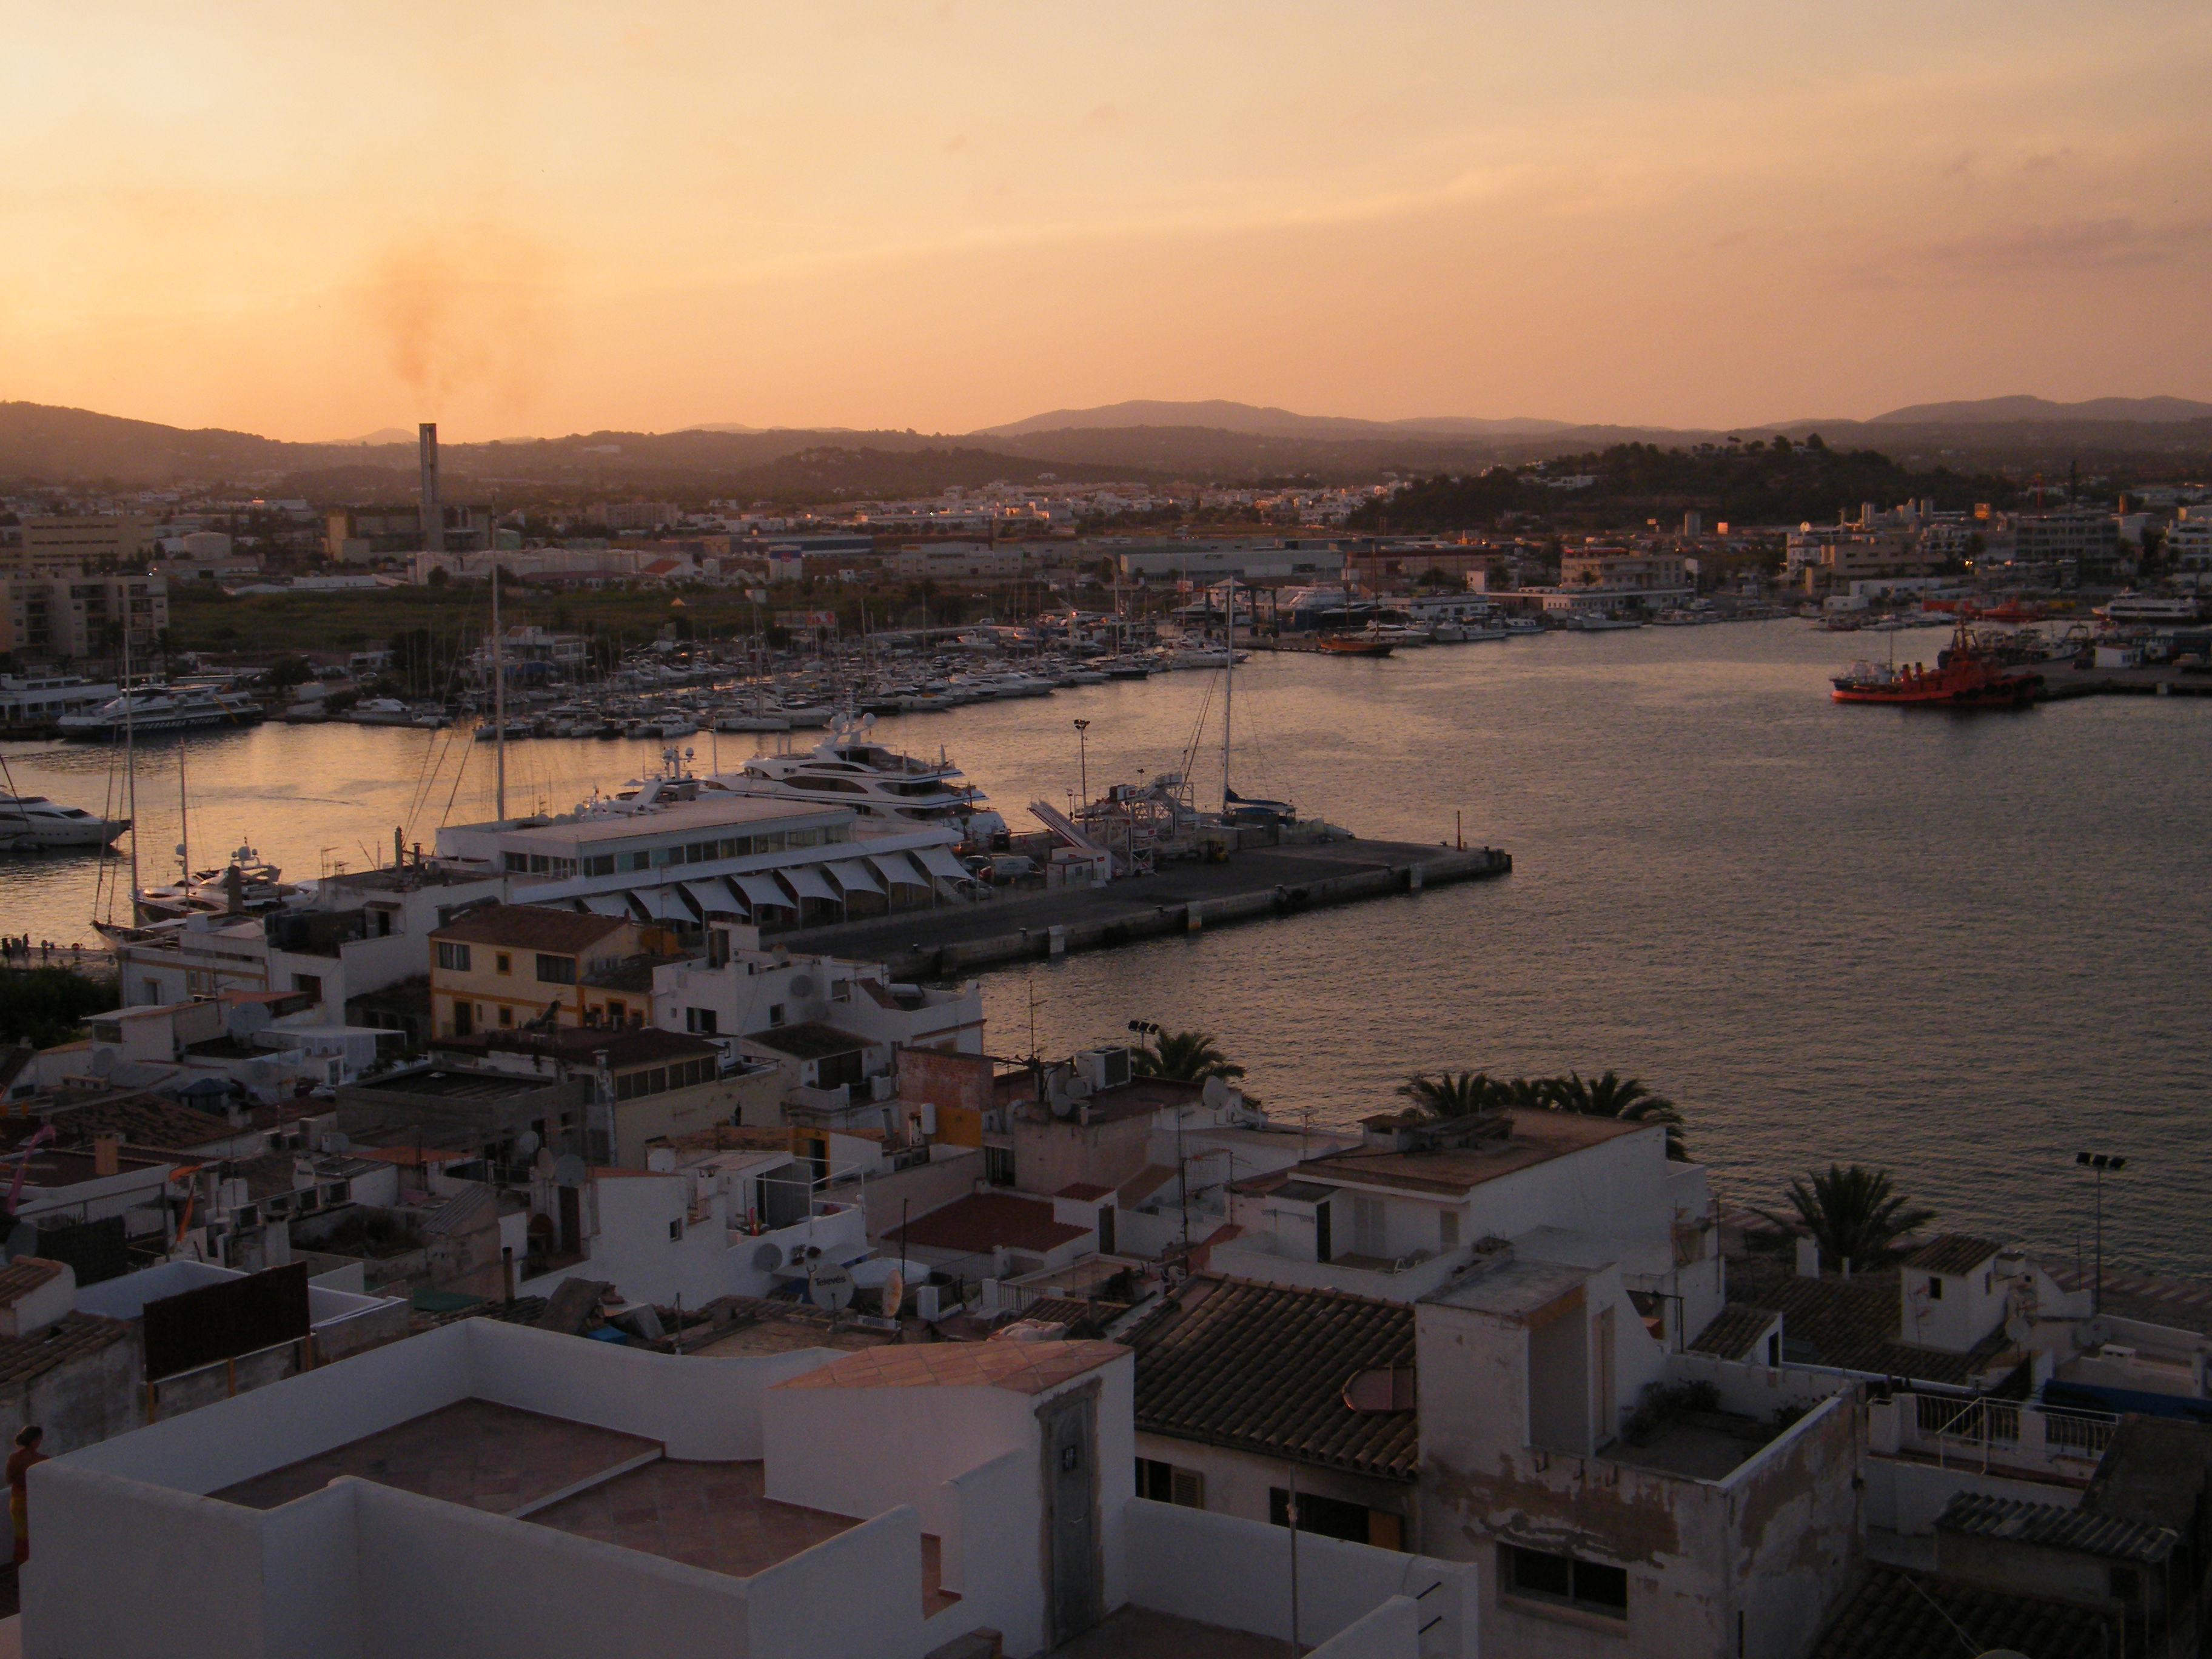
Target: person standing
{"x": 19, "y": 1491}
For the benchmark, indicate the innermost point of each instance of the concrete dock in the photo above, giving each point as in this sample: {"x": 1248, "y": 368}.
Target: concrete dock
{"x": 1253, "y": 885}
{"x": 2061, "y": 684}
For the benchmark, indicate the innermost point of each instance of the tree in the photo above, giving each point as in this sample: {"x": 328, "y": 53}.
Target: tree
{"x": 1627, "y": 1099}
{"x": 288, "y": 672}
{"x": 1853, "y": 1214}
{"x": 1190, "y": 1056}
{"x": 42, "y": 1006}
{"x": 1451, "y": 1094}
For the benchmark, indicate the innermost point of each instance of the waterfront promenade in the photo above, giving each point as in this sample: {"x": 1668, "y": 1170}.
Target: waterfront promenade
{"x": 1255, "y": 885}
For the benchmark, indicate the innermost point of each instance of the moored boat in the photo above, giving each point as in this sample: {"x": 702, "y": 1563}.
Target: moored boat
{"x": 1965, "y": 677}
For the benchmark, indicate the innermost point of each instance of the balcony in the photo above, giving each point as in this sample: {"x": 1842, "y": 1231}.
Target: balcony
{"x": 1988, "y": 1436}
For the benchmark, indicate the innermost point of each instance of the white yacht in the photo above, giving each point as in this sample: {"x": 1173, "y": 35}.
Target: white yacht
{"x": 33, "y": 822}
{"x": 2148, "y": 608}
{"x": 879, "y": 783}
{"x": 155, "y": 709}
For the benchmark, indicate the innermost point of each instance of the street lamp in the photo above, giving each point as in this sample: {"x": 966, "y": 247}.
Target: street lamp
{"x": 1083, "y": 748}
{"x": 2100, "y": 1162}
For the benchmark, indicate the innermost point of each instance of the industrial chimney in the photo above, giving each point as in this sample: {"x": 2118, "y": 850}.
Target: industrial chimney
{"x": 434, "y": 515}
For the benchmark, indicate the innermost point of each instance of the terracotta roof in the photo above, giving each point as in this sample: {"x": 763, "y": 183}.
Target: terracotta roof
{"x": 1954, "y": 1254}
{"x": 982, "y": 1221}
{"x": 1083, "y": 1192}
{"x": 2052, "y": 1526}
{"x": 1017, "y": 1367}
{"x": 146, "y": 1120}
{"x": 1734, "y": 1331}
{"x": 1537, "y": 1138}
{"x": 22, "y": 1357}
{"x": 1902, "y": 1615}
{"x": 24, "y": 1274}
{"x": 1261, "y": 1368}
{"x": 530, "y": 927}
{"x": 1852, "y": 1325}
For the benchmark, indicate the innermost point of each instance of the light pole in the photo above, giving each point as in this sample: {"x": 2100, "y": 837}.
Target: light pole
{"x": 1083, "y": 750}
{"x": 2099, "y": 1162}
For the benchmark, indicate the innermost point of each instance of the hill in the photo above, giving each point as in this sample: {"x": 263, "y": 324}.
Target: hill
{"x": 1218, "y": 414}
{"x": 1987, "y": 411}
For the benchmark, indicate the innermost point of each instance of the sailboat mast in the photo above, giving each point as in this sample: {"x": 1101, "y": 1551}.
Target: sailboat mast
{"x": 1228, "y": 695}
{"x": 498, "y": 697}
{"x": 184, "y": 815}
{"x": 130, "y": 761}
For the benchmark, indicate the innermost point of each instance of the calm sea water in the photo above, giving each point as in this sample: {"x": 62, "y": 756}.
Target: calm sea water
{"x": 1964, "y": 947}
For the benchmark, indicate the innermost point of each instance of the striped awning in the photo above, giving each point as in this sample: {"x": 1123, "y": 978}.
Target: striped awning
{"x": 807, "y": 881}
{"x": 852, "y": 875}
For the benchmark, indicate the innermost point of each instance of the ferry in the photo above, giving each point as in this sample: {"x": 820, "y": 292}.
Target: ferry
{"x": 1965, "y": 677}
{"x": 153, "y": 711}
{"x": 2148, "y": 608}
{"x": 32, "y": 822}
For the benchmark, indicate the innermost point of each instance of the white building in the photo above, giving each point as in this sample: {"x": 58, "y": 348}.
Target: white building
{"x": 874, "y": 1505}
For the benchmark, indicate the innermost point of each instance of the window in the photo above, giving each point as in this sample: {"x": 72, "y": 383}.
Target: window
{"x": 638, "y": 860}
{"x": 1368, "y": 1237}
{"x": 999, "y": 1166}
{"x": 2125, "y": 1584}
{"x": 1164, "y": 1483}
{"x": 503, "y": 963}
{"x": 676, "y": 1230}
{"x": 506, "y": 1015}
{"x": 453, "y": 958}
{"x": 699, "y": 1020}
{"x": 1335, "y": 1517}
{"x": 1448, "y": 1230}
{"x": 774, "y": 1011}
{"x": 1588, "y": 1586}
{"x": 309, "y": 985}
{"x": 603, "y": 865}
{"x": 1934, "y": 1288}
{"x": 515, "y": 864}
{"x": 555, "y": 971}
{"x": 618, "y": 1011}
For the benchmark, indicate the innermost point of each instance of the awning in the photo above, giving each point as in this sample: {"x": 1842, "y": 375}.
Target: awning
{"x": 709, "y": 897}
{"x": 807, "y": 881}
{"x": 608, "y": 904}
{"x": 759, "y": 890}
{"x": 939, "y": 862}
{"x": 852, "y": 875}
{"x": 898, "y": 869}
{"x": 664, "y": 905}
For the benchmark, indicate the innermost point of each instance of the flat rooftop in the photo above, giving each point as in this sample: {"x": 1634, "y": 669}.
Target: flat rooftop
{"x": 1537, "y": 1138}
{"x": 473, "y": 1453}
{"x": 1710, "y": 1446}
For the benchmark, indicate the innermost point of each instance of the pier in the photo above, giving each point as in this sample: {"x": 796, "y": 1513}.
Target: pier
{"x": 1251, "y": 885}
{"x": 2061, "y": 684}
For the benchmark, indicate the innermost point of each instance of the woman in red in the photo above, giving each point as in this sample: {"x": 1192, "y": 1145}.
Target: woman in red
{"x": 18, "y": 1498}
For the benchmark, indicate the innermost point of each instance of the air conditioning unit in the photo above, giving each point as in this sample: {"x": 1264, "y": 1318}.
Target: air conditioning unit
{"x": 1103, "y": 1068}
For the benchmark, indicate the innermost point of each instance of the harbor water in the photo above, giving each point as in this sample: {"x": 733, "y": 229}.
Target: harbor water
{"x": 1964, "y": 947}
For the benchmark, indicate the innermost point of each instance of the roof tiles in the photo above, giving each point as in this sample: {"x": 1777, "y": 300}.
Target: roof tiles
{"x": 1261, "y": 1368}
{"x": 2053, "y": 1526}
{"x": 1017, "y": 1367}
{"x": 1902, "y": 1615}
{"x": 1954, "y": 1254}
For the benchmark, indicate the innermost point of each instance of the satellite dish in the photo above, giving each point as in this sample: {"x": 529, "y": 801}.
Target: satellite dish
{"x": 830, "y": 1288}
{"x": 893, "y": 1294}
{"x": 766, "y": 1258}
{"x": 802, "y": 985}
{"x": 1215, "y": 1094}
{"x": 22, "y": 1240}
{"x": 542, "y": 1164}
{"x": 526, "y": 1145}
{"x": 867, "y": 722}
{"x": 1078, "y": 1088}
{"x": 569, "y": 1170}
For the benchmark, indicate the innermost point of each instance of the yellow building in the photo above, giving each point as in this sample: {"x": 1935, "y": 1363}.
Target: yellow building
{"x": 505, "y": 966}
{"x": 60, "y": 546}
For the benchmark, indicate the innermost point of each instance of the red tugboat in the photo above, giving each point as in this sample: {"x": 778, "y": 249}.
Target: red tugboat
{"x": 1966, "y": 676}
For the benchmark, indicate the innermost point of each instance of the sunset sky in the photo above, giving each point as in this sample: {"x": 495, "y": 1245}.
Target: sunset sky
{"x": 310, "y": 220}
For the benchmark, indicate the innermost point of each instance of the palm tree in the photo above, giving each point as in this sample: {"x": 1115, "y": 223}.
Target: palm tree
{"x": 1853, "y": 1214}
{"x": 1525, "y": 1094}
{"x": 1189, "y": 1056}
{"x": 1449, "y": 1095}
{"x": 1624, "y": 1098}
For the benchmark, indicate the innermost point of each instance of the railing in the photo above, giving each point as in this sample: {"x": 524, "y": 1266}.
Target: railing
{"x": 2069, "y": 1434}
{"x": 1989, "y": 1433}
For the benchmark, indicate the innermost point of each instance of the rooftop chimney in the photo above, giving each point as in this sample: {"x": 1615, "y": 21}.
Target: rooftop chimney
{"x": 433, "y": 516}
{"x": 106, "y": 1154}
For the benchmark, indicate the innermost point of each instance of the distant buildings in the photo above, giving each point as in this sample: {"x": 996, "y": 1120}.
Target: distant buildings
{"x": 80, "y": 616}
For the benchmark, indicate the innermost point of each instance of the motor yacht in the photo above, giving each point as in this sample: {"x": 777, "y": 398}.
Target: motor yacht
{"x": 32, "y": 822}
{"x": 877, "y": 783}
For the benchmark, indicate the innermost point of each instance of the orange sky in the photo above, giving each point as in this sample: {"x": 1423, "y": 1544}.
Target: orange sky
{"x": 313, "y": 220}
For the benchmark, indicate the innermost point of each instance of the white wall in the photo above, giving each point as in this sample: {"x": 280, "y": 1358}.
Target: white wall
{"x": 440, "y": 1580}
{"x": 857, "y": 1597}
{"x": 1218, "y": 1569}
{"x": 1907, "y": 1498}
{"x": 1393, "y": 1631}
{"x": 108, "y": 1549}
{"x": 987, "y": 1521}
{"x": 862, "y": 1451}
{"x": 699, "y": 1409}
